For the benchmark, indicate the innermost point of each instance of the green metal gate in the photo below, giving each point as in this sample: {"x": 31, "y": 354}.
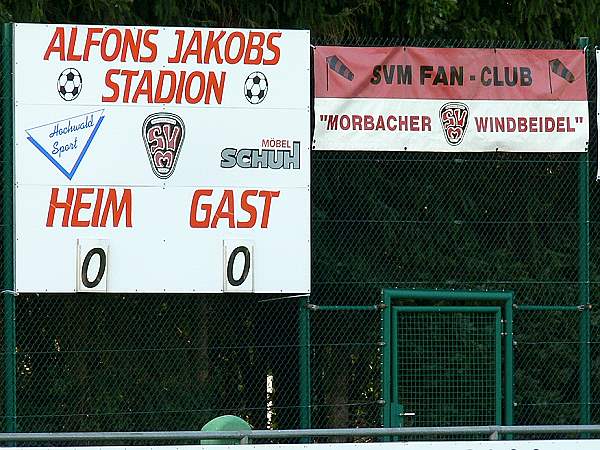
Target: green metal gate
{"x": 446, "y": 364}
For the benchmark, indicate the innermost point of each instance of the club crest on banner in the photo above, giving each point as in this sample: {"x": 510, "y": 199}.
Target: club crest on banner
{"x": 454, "y": 117}
{"x": 163, "y": 135}
{"x": 65, "y": 142}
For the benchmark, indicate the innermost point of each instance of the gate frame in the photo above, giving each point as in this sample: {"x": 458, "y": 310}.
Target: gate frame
{"x": 390, "y": 298}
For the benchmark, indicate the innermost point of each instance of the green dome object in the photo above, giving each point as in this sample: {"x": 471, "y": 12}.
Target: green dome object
{"x": 225, "y": 423}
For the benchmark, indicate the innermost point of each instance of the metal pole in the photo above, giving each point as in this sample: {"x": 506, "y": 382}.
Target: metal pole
{"x": 508, "y": 361}
{"x": 347, "y": 308}
{"x": 498, "y": 363}
{"x": 408, "y": 433}
{"x": 386, "y": 315}
{"x": 10, "y": 373}
{"x": 450, "y": 295}
{"x": 584, "y": 281}
{"x": 564, "y": 308}
{"x": 304, "y": 355}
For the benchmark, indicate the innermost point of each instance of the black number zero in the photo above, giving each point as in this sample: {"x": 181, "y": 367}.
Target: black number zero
{"x": 230, "y": 279}
{"x": 86, "y": 264}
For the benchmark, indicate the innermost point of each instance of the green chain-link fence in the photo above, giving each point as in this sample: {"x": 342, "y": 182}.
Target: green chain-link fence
{"x": 433, "y": 347}
{"x": 380, "y": 220}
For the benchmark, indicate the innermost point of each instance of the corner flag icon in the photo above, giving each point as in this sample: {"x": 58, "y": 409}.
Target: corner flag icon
{"x": 335, "y": 63}
{"x": 557, "y": 67}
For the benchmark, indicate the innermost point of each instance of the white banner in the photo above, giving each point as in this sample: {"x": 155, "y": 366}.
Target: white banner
{"x": 413, "y": 125}
{"x": 183, "y": 153}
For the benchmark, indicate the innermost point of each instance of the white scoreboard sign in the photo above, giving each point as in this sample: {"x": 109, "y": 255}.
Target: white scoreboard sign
{"x": 161, "y": 159}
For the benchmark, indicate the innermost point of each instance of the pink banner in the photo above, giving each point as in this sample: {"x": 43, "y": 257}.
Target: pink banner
{"x": 449, "y": 73}
{"x": 450, "y": 99}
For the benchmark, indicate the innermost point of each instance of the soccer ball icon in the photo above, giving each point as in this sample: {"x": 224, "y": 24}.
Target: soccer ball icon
{"x": 256, "y": 87}
{"x": 69, "y": 84}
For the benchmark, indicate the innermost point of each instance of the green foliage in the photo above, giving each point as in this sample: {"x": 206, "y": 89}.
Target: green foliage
{"x": 529, "y": 20}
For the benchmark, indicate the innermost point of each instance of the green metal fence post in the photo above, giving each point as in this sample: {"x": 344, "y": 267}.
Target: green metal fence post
{"x": 508, "y": 363}
{"x": 304, "y": 355}
{"x": 498, "y": 362}
{"x": 10, "y": 372}
{"x": 584, "y": 281}
{"x": 386, "y": 314}
{"x": 395, "y": 407}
